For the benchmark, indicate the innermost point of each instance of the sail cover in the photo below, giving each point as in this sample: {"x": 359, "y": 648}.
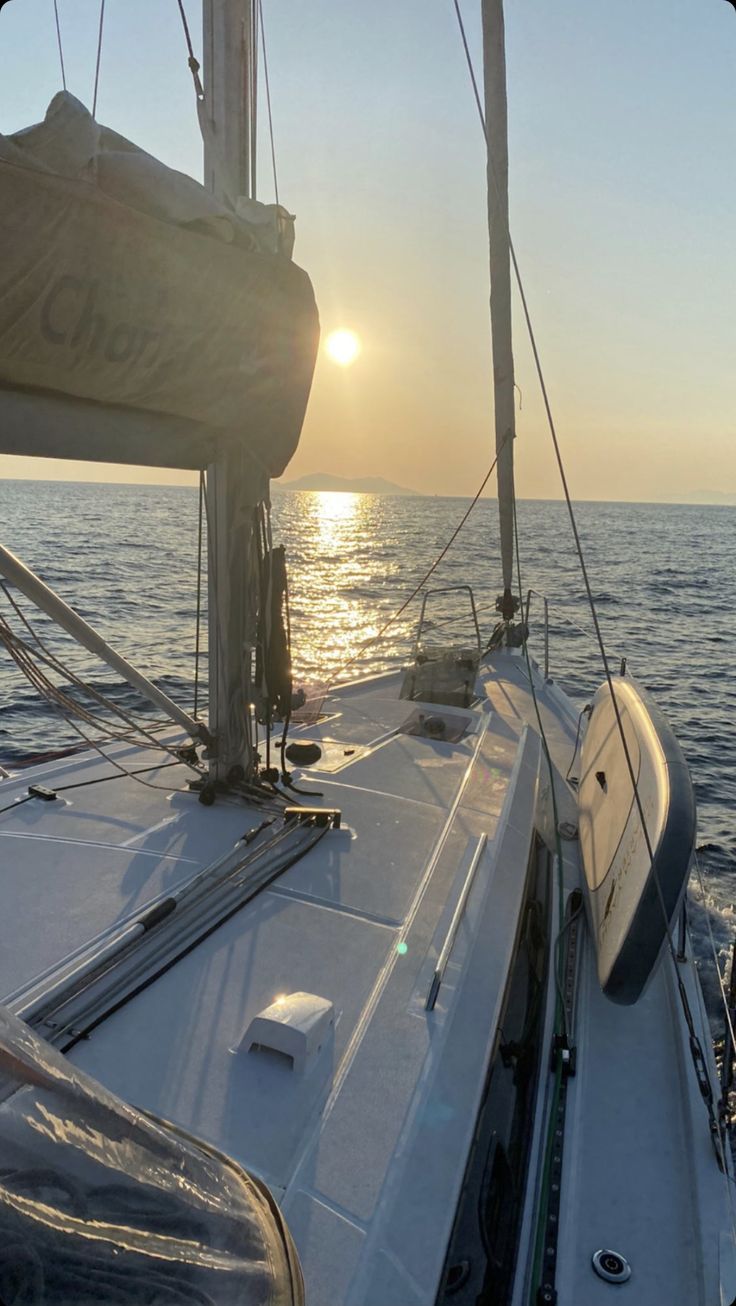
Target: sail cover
{"x": 100, "y": 1203}
{"x": 126, "y": 284}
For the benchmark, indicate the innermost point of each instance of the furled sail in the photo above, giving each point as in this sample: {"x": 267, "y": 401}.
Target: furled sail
{"x": 127, "y": 285}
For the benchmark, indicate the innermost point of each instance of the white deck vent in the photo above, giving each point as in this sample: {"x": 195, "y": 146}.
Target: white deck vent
{"x": 297, "y": 1025}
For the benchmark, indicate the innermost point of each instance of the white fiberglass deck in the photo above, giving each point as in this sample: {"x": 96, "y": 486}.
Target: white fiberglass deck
{"x": 367, "y": 1149}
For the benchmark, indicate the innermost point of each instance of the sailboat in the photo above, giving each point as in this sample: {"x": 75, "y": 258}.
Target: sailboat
{"x": 357, "y": 1001}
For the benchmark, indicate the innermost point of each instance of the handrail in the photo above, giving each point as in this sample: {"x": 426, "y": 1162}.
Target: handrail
{"x": 447, "y": 589}
{"x": 457, "y": 916}
{"x": 561, "y": 616}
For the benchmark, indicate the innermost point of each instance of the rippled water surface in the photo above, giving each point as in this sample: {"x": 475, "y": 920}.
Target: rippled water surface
{"x": 663, "y": 576}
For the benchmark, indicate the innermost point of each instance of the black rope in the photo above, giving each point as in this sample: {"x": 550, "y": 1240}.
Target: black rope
{"x": 98, "y": 780}
{"x": 199, "y": 593}
{"x": 573, "y": 779}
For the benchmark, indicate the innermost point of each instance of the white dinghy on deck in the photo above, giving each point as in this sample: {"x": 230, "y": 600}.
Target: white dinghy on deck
{"x": 380, "y": 998}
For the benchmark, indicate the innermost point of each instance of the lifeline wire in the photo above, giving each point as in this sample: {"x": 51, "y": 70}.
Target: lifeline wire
{"x": 99, "y": 56}
{"x": 61, "y": 48}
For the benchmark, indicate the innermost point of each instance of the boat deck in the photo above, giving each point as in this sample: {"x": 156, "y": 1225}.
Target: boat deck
{"x": 366, "y": 1148}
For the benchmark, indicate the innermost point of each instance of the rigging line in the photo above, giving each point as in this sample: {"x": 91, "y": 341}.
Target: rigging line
{"x": 102, "y": 779}
{"x": 696, "y": 1050}
{"x": 374, "y": 638}
{"x": 132, "y": 775}
{"x": 199, "y": 594}
{"x": 99, "y": 56}
{"x": 252, "y": 90}
{"x": 268, "y": 101}
{"x": 584, "y": 711}
{"x": 58, "y": 40}
{"x": 23, "y": 656}
{"x": 537, "y": 358}
{"x": 576, "y": 537}
{"x": 469, "y": 61}
{"x": 45, "y": 655}
{"x": 581, "y": 559}
{"x": 98, "y": 780}
{"x": 695, "y": 1045}
{"x": 69, "y": 713}
{"x": 193, "y": 62}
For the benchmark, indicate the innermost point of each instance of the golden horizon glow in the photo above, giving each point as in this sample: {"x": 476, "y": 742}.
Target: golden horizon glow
{"x": 343, "y": 346}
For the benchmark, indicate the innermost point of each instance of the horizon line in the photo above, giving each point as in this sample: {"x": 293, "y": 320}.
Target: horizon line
{"x": 416, "y": 494}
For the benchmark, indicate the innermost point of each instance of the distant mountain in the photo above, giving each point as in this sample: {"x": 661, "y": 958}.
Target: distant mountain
{"x": 321, "y": 481}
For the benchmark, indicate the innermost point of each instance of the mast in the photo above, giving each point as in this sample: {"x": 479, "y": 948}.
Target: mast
{"x": 233, "y": 485}
{"x": 494, "y": 74}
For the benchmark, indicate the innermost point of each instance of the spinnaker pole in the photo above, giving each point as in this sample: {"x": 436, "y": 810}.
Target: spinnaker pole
{"x": 494, "y": 76}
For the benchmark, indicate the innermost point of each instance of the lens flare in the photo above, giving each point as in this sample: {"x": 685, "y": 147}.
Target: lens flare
{"x": 342, "y": 346}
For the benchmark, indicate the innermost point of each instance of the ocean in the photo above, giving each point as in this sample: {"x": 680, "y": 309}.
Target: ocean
{"x": 663, "y": 578}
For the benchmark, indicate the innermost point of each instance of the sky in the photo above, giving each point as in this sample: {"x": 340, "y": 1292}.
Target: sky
{"x": 623, "y": 194}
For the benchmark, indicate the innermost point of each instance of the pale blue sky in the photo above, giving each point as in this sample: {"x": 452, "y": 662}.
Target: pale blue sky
{"x": 623, "y": 126}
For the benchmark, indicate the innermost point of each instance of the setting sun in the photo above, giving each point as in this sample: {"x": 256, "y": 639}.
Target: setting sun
{"x": 343, "y": 347}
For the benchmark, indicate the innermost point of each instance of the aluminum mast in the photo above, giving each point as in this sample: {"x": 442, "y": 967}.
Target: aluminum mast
{"x": 494, "y": 75}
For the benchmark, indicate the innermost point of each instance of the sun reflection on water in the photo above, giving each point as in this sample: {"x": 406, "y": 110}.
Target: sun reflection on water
{"x": 333, "y": 604}
{"x": 353, "y": 558}
{"x": 335, "y": 511}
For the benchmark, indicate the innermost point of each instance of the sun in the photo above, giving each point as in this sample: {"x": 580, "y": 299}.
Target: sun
{"x": 343, "y": 346}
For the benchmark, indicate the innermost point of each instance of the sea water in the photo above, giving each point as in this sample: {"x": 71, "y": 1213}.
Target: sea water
{"x": 663, "y": 578}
